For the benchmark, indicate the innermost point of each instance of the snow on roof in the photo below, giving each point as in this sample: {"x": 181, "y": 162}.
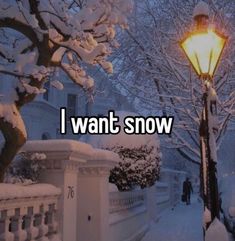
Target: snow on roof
{"x": 12, "y": 191}
{"x": 201, "y": 8}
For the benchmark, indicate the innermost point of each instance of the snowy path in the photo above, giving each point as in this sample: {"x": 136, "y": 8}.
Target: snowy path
{"x": 184, "y": 223}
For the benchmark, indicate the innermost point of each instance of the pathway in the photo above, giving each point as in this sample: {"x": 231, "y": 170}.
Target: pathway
{"x": 180, "y": 224}
{"x": 183, "y": 223}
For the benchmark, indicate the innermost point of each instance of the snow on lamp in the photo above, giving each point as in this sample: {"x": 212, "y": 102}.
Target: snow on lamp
{"x": 204, "y": 46}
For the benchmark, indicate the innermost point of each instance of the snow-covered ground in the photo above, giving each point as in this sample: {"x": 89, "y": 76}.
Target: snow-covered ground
{"x": 183, "y": 223}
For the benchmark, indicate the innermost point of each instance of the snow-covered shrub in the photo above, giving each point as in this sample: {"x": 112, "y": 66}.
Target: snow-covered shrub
{"x": 139, "y": 167}
{"x": 25, "y": 168}
{"x": 139, "y": 154}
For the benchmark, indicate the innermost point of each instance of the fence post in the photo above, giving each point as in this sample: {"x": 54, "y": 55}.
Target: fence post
{"x": 93, "y": 192}
{"x": 151, "y": 203}
{"x": 61, "y": 169}
{"x": 175, "y": 179}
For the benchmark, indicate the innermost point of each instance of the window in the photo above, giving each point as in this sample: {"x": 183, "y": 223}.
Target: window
{"x": 71, "y": 105}
{"x": 47, "y": 88}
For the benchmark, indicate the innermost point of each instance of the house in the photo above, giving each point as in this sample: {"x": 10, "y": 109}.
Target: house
{"x": 42, "y": 116}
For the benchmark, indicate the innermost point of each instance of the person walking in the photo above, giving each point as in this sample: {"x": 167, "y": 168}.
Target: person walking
{"x": 187, "y": 190}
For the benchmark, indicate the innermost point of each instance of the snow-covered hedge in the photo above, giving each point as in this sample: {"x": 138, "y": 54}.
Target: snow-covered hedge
{"x": 25, "y": 168}
{"x": 140, "y": 155}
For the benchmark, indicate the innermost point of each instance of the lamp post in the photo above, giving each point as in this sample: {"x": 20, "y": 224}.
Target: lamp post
{"x": 203, "y": 48}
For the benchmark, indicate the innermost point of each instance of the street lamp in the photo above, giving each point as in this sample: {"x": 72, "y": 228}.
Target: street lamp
{"x": 203, "y": 48}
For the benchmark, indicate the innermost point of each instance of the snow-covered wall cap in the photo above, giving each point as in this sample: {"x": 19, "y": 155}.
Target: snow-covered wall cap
{"x": 12, "y": 191}
{"x": 81, "y": 149}
{"x": 201, "y": 8}
{"x": 104, "y": 155}
{"x": 69, "y": 149}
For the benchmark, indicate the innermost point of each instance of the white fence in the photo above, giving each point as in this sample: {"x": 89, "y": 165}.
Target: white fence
{"x": 162, "y": 193}
{"x": 28, "y": 213}
{"x": 128, "y": 215}
{"x": 175, "y": 180}
{"x": 87, "y": 210}
{"x": 119, "y": 201}
{"x": 165, "y": 193}
{"x": 132, "y": 212}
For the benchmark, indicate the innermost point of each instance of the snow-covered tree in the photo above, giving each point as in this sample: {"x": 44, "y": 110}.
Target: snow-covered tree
{"x": 156, "y": 71}
{"x": 139, "y": 154}
{"x": 39, "y": 37}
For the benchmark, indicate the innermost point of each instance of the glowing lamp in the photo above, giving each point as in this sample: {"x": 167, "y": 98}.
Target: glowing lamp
{"x": 203, "y": 49}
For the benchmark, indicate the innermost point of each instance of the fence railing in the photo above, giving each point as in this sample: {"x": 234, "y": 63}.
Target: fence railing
{"x": 119, "y": 201}
{"x": 28, "y": 212}
{"x": 88, "y": 209}
{"x": 127, "y": 209}
{"x": 162, "y": 193}
{"x": 175, "y": 180}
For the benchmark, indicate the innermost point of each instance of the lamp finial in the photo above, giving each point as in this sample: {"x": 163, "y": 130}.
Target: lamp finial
{"x": 201, "y": 9}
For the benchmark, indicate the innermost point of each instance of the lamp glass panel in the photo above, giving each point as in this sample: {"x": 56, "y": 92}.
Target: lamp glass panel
{"x": 203, "y": 50}
{"x": 217, "y": 49}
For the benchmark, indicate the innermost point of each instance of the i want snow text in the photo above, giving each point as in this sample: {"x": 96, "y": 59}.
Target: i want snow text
{"x": 111, "y": 124}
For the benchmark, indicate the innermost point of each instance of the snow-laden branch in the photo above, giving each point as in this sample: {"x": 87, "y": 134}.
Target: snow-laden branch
{"x": 38, "y": 37}
{"x": 155, "y": 69}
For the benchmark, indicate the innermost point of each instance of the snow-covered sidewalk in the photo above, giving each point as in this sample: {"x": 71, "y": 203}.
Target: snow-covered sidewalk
{"x": 183, "y": 223}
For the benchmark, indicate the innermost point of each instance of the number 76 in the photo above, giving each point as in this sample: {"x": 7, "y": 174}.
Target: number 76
{"x": 70, "y": 192}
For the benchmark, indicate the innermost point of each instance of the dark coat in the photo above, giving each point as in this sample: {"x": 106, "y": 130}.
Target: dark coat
{"x": 187, "y": 187}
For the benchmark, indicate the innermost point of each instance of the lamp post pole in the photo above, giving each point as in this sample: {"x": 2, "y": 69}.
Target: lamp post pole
{"x": 203, "y": 47}
{"x": 208, "y": 152}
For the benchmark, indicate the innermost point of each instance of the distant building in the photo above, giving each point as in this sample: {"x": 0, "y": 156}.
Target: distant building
{"x": 42, "y": 116}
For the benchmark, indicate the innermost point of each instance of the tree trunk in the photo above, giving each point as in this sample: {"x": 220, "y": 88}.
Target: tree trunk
{"x": 14, "y": 140}
{"x": 15, "y": 137}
